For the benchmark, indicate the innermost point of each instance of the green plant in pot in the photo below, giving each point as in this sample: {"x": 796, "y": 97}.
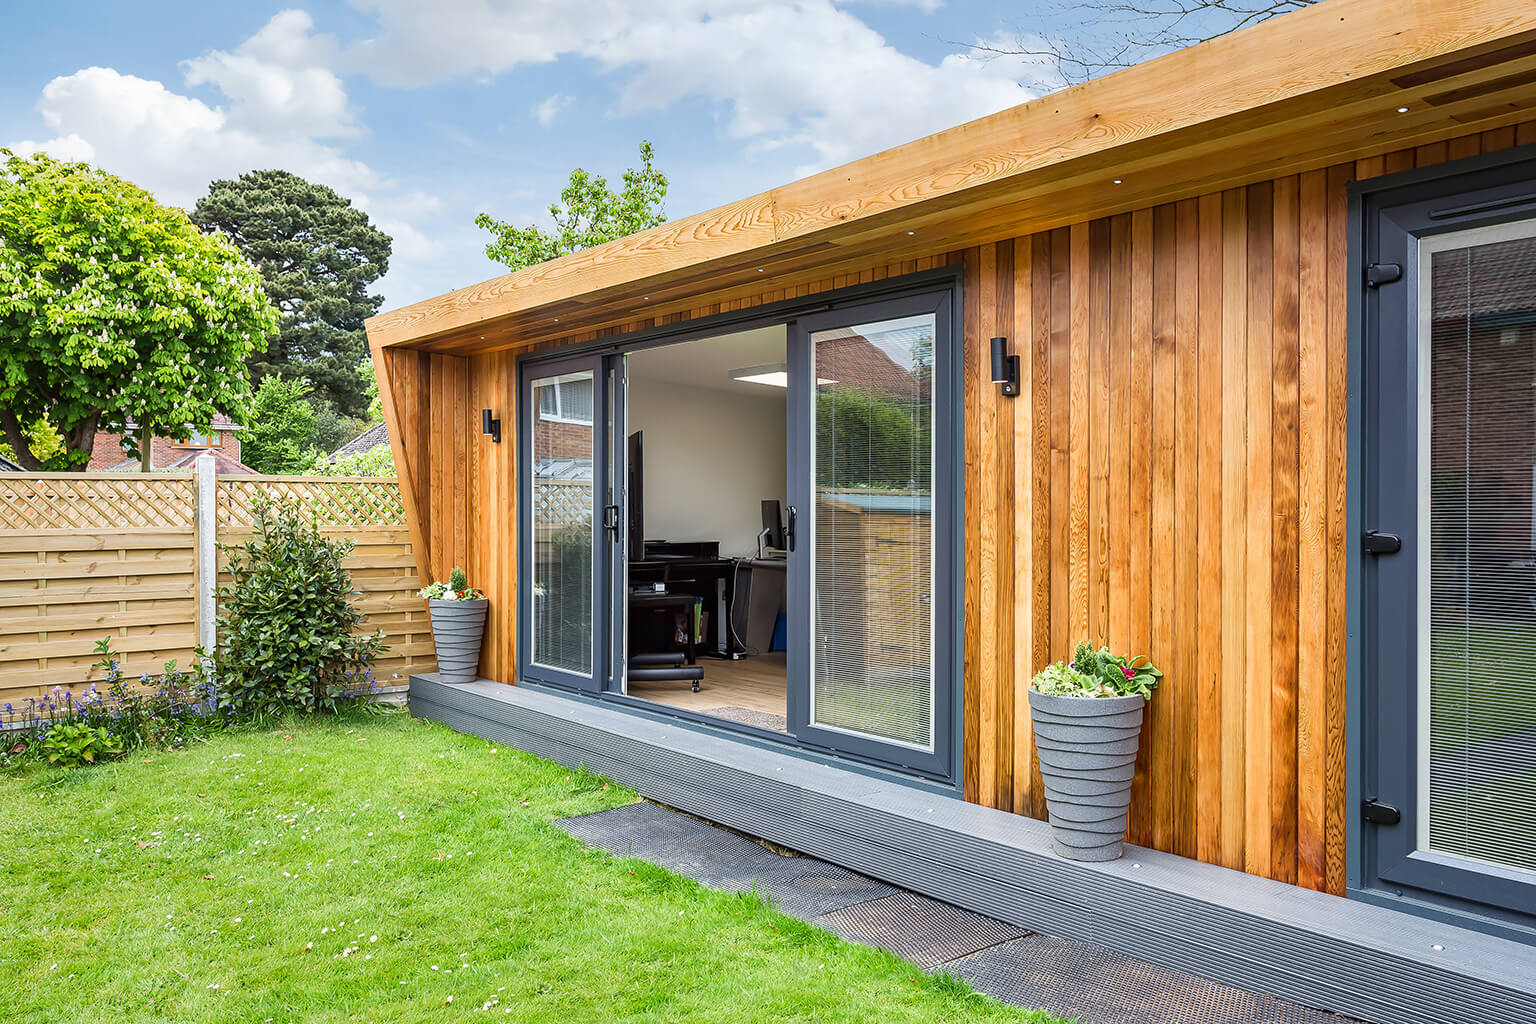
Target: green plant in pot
{"x": 1087, "y": 716}
{"x": 458, "y": 626}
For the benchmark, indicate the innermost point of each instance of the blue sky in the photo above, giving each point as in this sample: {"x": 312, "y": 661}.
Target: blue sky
{"x": 426, "y": 113}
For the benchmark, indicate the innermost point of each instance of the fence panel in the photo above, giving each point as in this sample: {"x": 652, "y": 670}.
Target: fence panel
{"x": 87, "y": 556}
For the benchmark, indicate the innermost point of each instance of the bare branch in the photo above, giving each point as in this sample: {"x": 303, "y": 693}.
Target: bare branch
{"x": 1115, "y": 34}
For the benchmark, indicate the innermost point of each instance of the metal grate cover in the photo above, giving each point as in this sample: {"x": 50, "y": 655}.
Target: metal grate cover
{"x": 1088, "y": 983}
{"x": 924, "y": 931}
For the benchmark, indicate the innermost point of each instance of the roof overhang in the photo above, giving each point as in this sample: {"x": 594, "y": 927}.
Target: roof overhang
{"x": 1300, "y": 92}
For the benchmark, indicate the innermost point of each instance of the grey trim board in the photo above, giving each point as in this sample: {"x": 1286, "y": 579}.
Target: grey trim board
{"x": 1348, "y": 956}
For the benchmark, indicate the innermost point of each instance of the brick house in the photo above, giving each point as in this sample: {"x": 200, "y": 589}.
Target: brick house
{"x": 109, "y": 454}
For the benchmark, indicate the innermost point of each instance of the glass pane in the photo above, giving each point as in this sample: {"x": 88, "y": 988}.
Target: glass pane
{"x": 872, "y": 617}
{"x": 563, "y": 455}
{"x": 1479, "y": 749}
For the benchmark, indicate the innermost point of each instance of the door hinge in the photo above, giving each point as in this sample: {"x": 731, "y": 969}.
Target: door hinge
{"x": 1377, "y": 543}
{"x": 1378, "y": 813}
{"x": 1378, "y": 274}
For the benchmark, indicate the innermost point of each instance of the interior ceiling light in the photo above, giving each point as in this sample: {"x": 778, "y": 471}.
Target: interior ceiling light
{"x": 775, "y": 375}
{"x": 1402, "y": 110}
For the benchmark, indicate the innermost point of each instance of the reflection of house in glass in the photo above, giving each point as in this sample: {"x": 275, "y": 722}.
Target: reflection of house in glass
{"x": 1483, "y": 439}
{"x": 562, "y": 444}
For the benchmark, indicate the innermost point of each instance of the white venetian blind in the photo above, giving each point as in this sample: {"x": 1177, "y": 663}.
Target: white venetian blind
{"x": 872, "y": 630}
{"x": 1481, "y": 484}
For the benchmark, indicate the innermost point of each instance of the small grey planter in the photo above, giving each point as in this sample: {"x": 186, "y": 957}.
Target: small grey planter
{"x": 1087, "y": 749}
{"x": 457, "y": 629}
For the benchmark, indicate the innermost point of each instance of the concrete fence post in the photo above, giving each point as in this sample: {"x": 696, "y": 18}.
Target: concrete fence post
{"x": 207, "y": 551}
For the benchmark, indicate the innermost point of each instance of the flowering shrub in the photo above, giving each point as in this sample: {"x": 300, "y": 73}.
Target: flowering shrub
{"x": 169, "y": 710}
{"x": 172, "y": 710}
{"x": 456, "y": 589}
{"x": 1098, "y": 673}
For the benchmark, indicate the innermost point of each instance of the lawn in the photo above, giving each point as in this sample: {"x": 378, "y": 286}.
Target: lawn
{"x": 384, "y": 869}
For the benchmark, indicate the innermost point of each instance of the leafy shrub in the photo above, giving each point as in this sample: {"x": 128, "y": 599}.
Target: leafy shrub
{"x": 71, "y": 744}
{"x": 286, "y": 639}
{"x": 1098, "y": 673}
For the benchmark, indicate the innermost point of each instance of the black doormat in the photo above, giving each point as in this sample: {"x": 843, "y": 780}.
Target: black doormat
{"x": 1074, "y": 980}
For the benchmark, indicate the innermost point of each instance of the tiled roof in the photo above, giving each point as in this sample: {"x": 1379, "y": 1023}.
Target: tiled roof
{"x": 366, "y": 441}
{"x": 7, "y": 466}
{"x": 222, "y": 464}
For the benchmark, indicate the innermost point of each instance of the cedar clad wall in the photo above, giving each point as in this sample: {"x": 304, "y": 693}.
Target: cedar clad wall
{"x": 1171, "y": 481}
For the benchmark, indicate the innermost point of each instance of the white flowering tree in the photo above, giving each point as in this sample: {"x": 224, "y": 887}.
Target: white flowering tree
{"x": 115, "y": 310}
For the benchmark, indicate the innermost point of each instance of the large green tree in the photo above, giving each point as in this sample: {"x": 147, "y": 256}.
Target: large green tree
{"x": 279, "y": 436}
{"x": 589, "y": 213}
{"x": 318, "y": 255}
{"x": 114, "y": 309}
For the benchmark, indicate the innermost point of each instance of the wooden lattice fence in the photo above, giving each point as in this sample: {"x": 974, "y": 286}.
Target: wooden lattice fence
{"x": 86, "y": 556}
{"x": 563, "y": 503}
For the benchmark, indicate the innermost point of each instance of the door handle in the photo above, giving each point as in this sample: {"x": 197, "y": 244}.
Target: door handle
{"x": 789, "y": 528}
{"x": 611, "y": 518}
{"x": 1377, "y": 543}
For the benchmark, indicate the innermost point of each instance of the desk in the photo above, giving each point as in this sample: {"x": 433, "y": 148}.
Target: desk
{"x": 709, "y": 578}
{"x": 669, "y": 602}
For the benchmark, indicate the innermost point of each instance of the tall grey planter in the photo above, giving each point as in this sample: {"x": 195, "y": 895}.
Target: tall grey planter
{"x": 1087, "y": 749}
{"x": 457, "y": 629}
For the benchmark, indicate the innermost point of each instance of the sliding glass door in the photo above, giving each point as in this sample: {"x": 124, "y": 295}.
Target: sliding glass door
{"x": 872, "y": 602}
{"x": 564, "y": 555}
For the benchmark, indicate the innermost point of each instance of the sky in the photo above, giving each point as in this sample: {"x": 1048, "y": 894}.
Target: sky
{"x": 425, "y": 114}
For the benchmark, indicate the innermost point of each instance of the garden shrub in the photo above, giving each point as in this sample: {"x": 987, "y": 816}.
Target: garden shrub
{"x": 286, "y": 623}
{"x": 71, "y": 744}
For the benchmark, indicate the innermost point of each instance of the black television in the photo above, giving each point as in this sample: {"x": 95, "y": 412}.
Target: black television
{"x": 634, "y": 496}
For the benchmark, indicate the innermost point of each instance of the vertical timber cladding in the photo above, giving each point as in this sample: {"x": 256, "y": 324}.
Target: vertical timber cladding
{"x": 1171, "y": 481}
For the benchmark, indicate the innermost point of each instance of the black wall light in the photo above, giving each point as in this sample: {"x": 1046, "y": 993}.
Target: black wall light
{"x": 1005, "y": 367}
{"x": 490, "y": 426}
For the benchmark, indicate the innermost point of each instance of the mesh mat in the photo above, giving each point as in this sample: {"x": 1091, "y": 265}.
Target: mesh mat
{"x": 1075, "y": 980}
{"x": 711, "y": 856}
{"x": 802, "y": 887}
{"x": 1084, "y": 982}
{"x": 924, "y": 931}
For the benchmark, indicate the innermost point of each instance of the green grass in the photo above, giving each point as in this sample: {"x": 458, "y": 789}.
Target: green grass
{"x": 372, "y": 869}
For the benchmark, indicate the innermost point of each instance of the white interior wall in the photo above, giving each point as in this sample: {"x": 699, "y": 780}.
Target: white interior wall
{"x": 711, "y": 457}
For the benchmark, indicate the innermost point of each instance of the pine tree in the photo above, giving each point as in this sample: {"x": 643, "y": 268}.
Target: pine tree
{"x": 317, "y": 254}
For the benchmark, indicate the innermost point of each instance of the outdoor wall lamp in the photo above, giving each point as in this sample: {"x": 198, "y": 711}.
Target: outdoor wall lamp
{"x": 490, "y": 426}
{"x": 1005, "y": 367}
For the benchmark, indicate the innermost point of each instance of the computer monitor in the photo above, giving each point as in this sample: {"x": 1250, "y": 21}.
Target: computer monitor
{"x": 773, "y": 522}
{"x": 635, "y": 496}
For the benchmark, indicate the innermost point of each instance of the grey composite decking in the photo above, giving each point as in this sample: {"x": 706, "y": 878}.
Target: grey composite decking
{"x": 1350, "y": 957}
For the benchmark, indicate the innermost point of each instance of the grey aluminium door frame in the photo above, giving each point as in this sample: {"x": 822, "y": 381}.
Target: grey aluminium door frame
{"x": 941, "y": 761}
{"x": 1389, "y": 217}
{"x": 602, "y": 550}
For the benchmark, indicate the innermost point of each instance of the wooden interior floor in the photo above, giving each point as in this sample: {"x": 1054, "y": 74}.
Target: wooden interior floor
{"x": 755, "y": 684}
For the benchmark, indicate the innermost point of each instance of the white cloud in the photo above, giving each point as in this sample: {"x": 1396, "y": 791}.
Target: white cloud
{"x": 280, "y": 80}
{"x": 283, "y": 106}
{"x": 791, "y": 72}
{"x": 546, "y": 111}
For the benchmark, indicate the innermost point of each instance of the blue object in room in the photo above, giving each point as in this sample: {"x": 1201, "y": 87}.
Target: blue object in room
{"x": 779, "y": 642}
